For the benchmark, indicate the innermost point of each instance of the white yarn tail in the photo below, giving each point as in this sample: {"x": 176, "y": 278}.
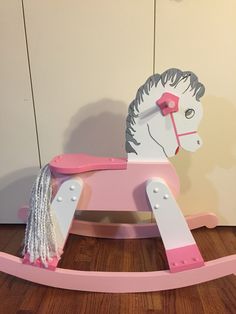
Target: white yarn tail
{"x": 40, "y": 241}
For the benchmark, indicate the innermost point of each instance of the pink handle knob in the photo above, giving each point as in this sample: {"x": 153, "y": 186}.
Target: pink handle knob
{"x": 168, "y": 103}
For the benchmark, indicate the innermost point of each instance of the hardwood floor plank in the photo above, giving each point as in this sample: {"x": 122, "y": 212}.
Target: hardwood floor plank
{"x": 84, "y": 253}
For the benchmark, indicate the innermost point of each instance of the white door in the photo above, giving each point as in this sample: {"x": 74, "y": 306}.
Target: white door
{"x": 88, "y": 59}
{"x": 19, "y": 160}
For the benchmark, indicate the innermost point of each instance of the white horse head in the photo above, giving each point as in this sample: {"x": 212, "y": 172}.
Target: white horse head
{"x": 164, "y": 116}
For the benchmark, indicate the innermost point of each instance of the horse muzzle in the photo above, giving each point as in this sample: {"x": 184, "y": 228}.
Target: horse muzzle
{"x": 190, "y": 142}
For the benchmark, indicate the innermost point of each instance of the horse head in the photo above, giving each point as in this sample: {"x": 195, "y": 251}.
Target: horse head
{"x": 165, "y": 116}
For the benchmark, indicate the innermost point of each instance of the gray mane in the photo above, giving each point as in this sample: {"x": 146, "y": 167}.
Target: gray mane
{"x": 174, "y": 76}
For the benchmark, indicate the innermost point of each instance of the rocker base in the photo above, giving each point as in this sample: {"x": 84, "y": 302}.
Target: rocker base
{"x": 117, "y": 282}
{"x": 135, "y": 231}
{"x": 124, "y": 231}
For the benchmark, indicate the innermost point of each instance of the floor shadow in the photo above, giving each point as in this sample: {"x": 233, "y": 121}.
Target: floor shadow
{"x": 218, "y": 152}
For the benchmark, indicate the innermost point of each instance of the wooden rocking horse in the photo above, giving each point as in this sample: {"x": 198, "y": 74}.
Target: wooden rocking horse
{"x": 163, "y": 118}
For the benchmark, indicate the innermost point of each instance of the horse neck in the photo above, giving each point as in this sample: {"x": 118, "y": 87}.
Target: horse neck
{"x": 148, "y": 150}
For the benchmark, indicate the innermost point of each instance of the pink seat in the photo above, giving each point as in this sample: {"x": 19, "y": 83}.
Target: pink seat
{"x": 78, "y": 163}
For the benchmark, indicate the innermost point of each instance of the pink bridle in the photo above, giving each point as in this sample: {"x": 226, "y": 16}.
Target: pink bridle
{"x": 168, "y": 104}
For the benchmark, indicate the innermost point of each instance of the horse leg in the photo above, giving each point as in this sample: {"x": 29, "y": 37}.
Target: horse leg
{"x": 62, "y": 210}
{"x": 181, "y": 249}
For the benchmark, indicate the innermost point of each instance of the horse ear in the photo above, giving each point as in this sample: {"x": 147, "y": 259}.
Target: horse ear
{"x": 168, "y": 103}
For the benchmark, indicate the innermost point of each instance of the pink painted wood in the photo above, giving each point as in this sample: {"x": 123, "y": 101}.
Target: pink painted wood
{"x": 119, "y": 231}
{"x": 107, "y": 189}
{"x": 184, "y": 258}
{"x": 128, "y": 231}
{"x": 168, "y": 103}
{"x": 52, "y": 264}
{"x": 79, "y": 163}
{"x": 119, "y": 190}
{"x": 135, "y": 231}
{"x": 117, "y": 282}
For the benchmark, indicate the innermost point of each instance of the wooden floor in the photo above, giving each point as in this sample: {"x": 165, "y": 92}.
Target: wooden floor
{"x": 216, "y": 297}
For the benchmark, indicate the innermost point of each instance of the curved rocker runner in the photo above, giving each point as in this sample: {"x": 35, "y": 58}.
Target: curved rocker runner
{"x": 163, "y": 117}
{"x": 117, "y": 282}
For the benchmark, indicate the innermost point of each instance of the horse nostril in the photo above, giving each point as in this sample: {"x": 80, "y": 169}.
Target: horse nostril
{"x": 198, "y": 142}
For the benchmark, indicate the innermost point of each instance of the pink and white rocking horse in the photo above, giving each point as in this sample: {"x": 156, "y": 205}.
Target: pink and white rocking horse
{"x": 163, "y": 118}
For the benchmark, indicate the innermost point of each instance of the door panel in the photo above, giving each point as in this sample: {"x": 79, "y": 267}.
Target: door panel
{"x": 88, "y": 59}
{"x": 19, "y": 156}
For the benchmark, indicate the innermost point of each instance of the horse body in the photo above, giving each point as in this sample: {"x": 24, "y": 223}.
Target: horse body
{"x": 124, "y": 190}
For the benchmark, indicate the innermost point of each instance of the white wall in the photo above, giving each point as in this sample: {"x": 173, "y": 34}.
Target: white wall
{"x": 200, "y": 36}
{"x": 87, "y": 59}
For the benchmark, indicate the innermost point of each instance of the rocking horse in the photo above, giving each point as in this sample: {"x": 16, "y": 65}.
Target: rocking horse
{"x": 163, "y": 118}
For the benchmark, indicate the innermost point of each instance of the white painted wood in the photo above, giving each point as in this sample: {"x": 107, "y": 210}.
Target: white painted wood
{"x": 18, "y": 158}
{"x": 63, "y": 208}
{"x": 171, "y": 223}
{"x": 160, "y": 135}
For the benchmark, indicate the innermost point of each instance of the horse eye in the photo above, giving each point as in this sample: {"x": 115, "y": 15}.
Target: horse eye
{"x": 189, "y": 113}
